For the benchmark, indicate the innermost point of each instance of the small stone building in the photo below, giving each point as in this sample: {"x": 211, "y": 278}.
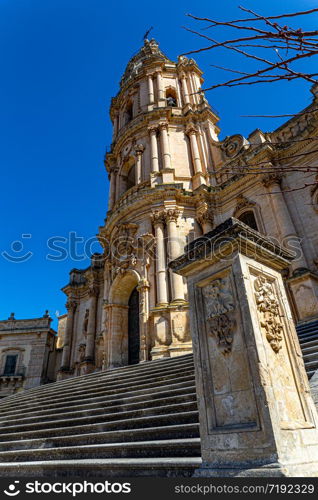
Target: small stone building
{"x": 28, "y": 355}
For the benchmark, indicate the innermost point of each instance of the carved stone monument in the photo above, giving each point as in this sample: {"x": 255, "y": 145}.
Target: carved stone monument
{"x": 257, "y": 415}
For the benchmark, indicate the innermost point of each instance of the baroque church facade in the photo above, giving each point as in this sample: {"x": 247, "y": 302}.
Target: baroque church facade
{"x": 171, "y": 181}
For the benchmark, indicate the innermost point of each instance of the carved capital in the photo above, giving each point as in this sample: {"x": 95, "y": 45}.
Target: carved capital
{"x": 205, "y": 215}
{"x": 139, "y": 149}
{"x": 157, "y": 217}
{"x": 153, "y": 129}
{"x": 71, "y": 305}
{"x": 113, "y": 170}
{"x": 164, "y": 126}
{"x": 171, "y": 214}
{"x": 270, "y": 179}
{"x": 191, "y": 129}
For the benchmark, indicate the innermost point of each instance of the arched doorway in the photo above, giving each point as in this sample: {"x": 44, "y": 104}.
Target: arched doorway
{"x": 133, "y": 328}
{"x": 123, "y": 320}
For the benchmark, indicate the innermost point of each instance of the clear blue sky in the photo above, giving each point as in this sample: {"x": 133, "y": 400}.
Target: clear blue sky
{"x": 61, "y": 61}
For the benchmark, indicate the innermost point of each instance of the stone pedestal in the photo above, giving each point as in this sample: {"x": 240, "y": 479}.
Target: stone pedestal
{"x": 304, "y": 288}
{"x": 256, "y": 412}
{"x": 171, "y": 331}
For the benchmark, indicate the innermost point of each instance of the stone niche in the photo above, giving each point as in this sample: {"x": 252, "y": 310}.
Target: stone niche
{"x": 256, "y": 413}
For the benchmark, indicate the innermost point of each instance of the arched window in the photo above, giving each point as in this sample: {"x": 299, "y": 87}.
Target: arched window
{"x": 171, "y": 97}
{"x": 131, "y": 177}
{"x": 248, "y": 218}
{"x": 128, "y": 112}
{"x": 10, "y": 364}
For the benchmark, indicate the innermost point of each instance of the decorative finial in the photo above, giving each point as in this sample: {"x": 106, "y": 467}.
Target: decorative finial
{"x": 11, "y": 318}
{"x": 46, "y": 314}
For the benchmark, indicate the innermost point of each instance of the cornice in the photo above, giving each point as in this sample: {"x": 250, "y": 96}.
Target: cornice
{"x": 146, "y": 198}
{"x": 147, "y": 119}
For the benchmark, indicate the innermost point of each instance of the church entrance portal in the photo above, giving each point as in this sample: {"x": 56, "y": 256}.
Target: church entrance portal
{"x": 133, "y": 328}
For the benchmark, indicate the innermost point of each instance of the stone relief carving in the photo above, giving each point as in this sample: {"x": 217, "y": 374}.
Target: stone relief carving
{"x": 85, "y": 322}
{"x": 81, "y": 351}
{"x": 123, "y": 249}
{"x": 268, "y": 310}
{"x": 219, "y": 305}
{"x": 180, "y": 328}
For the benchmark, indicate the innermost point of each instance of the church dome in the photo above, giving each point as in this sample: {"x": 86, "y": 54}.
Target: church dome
{"x": 149, "y": 52}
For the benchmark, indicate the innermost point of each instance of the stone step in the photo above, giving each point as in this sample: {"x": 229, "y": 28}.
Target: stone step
{"x": 107, "y": 389}
{"x": 187, "y": 447}
{"x": 124, "y": 423}
{"x": 152, "y": 394}
{"x": 176, "y": 431}
{"x": 307, "y": 326}
{"x": 307, "y": 335}
{"x": 116, "y": 415}
{"x": 308, "y": 349}
{"x": 115, "y": 373}
{"x": 310, "y": 356}
{"x": 94, "y": 386}
{"x": 108, "y": 467}
{"x": 140, "y": 420}
{"x": 310, "y": 365}
{"x": 308, "y": 343}
{"x": 103, "y": 410}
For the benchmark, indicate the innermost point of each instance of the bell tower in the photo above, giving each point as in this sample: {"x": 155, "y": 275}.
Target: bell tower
{"x": 158, "y": 168}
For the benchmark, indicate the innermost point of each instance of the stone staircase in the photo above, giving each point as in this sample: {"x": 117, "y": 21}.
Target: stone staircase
{"x": 308, "y": 339}
{"x": 134, "y": 421}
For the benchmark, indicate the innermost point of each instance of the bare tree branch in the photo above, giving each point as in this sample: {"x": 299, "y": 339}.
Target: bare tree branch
{"x": 275, "y": 36}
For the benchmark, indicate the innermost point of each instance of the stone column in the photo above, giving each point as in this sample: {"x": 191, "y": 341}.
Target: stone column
{"x": 161, "y": 271}
{"x": 150, "y": 90}
{"x": 177, "y": 286}
{"x": 286, "y": 225}
{"x": 257, "y": 416}
{"x": 105, "y": 306}
{"x": 154, "y": 149}
{"x": 105, "y": 331}
{"x": 143, "y": 289}
{"x": 179, "y": 98}
{"x": 112, "y": 190}
{"x": 91, "y": 328}
{"x": 196, "y": 97}
{"x": 139, "y": 149}
{"x": 185, "y": 90}
{"x": 192, "y": 133}
{"x": 115, "y": 126}
{"x": 71, "y": 307}
{"x": 165, "y": 146}
{"x": 198, "y": 177}
{"x": 119, "y": 180}
{"x": 160, "y": 86}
